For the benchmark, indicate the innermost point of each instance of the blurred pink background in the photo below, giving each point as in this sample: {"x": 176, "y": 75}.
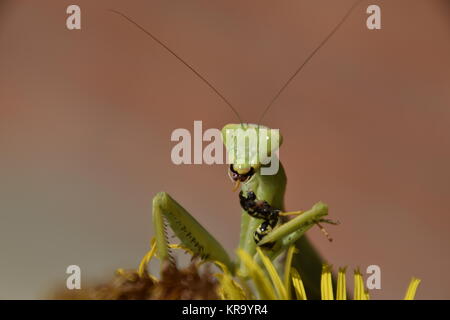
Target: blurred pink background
{"x": 86, "y": 118}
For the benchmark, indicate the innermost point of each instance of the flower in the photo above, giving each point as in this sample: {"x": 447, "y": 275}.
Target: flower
{"x": 275, "y": 288}
{"x": 263, "y": 281}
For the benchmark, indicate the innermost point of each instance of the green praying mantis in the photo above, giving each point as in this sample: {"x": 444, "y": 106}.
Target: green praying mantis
{"x": 263, "y": 222}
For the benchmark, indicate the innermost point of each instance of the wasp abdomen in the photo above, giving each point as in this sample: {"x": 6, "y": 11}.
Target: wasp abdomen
{"x": 260, "y": 209}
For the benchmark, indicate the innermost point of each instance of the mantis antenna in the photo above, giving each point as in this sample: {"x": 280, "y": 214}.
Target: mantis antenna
{"x": 277, "y": 95}
{"x": 312, "y": 54}
{"x": 181, "y": 60}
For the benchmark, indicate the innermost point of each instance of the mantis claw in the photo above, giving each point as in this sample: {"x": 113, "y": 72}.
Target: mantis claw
{"x": 324, "y": 231}
{"x": 329, "y": 221}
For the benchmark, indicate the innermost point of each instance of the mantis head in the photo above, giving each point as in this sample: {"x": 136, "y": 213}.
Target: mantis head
{"x": 249, "y": 147}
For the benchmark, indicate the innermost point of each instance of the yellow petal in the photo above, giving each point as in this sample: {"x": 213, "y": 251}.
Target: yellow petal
{"x": 287, "y": 269}
{"x": 228, "y": 288}
{"x": 180, "y": 247}
{"x": 262, "y": 284}
{"x": 298, "y": 285}
{"x": 326, "y": 285}
{"x": 146, "y": 259}
{"x": 359, "y": 292}
{"x": 341, "y": 291}
{"x": 412, "y": 288}
{"x": 276, "y": 280}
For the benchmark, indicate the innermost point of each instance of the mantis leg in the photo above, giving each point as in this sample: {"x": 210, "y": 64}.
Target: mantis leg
{"x": 322, "y": 229}
{"x": 192, "y": 234}
{"x": 289, "y": 232}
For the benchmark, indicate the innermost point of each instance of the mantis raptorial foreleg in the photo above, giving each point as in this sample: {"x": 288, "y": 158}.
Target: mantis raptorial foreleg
{"x": 322, "y": 229}
{"x": 192, "y": 234}
{"x": 288, "y": 233}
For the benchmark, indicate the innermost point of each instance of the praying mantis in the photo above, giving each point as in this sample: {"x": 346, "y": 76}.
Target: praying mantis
{"x": 263, "y": 219}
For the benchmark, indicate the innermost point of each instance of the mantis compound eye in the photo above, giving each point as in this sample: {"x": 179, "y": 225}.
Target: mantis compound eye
{"x": 241, "y": 177}
{"x": 234, "y": 176}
